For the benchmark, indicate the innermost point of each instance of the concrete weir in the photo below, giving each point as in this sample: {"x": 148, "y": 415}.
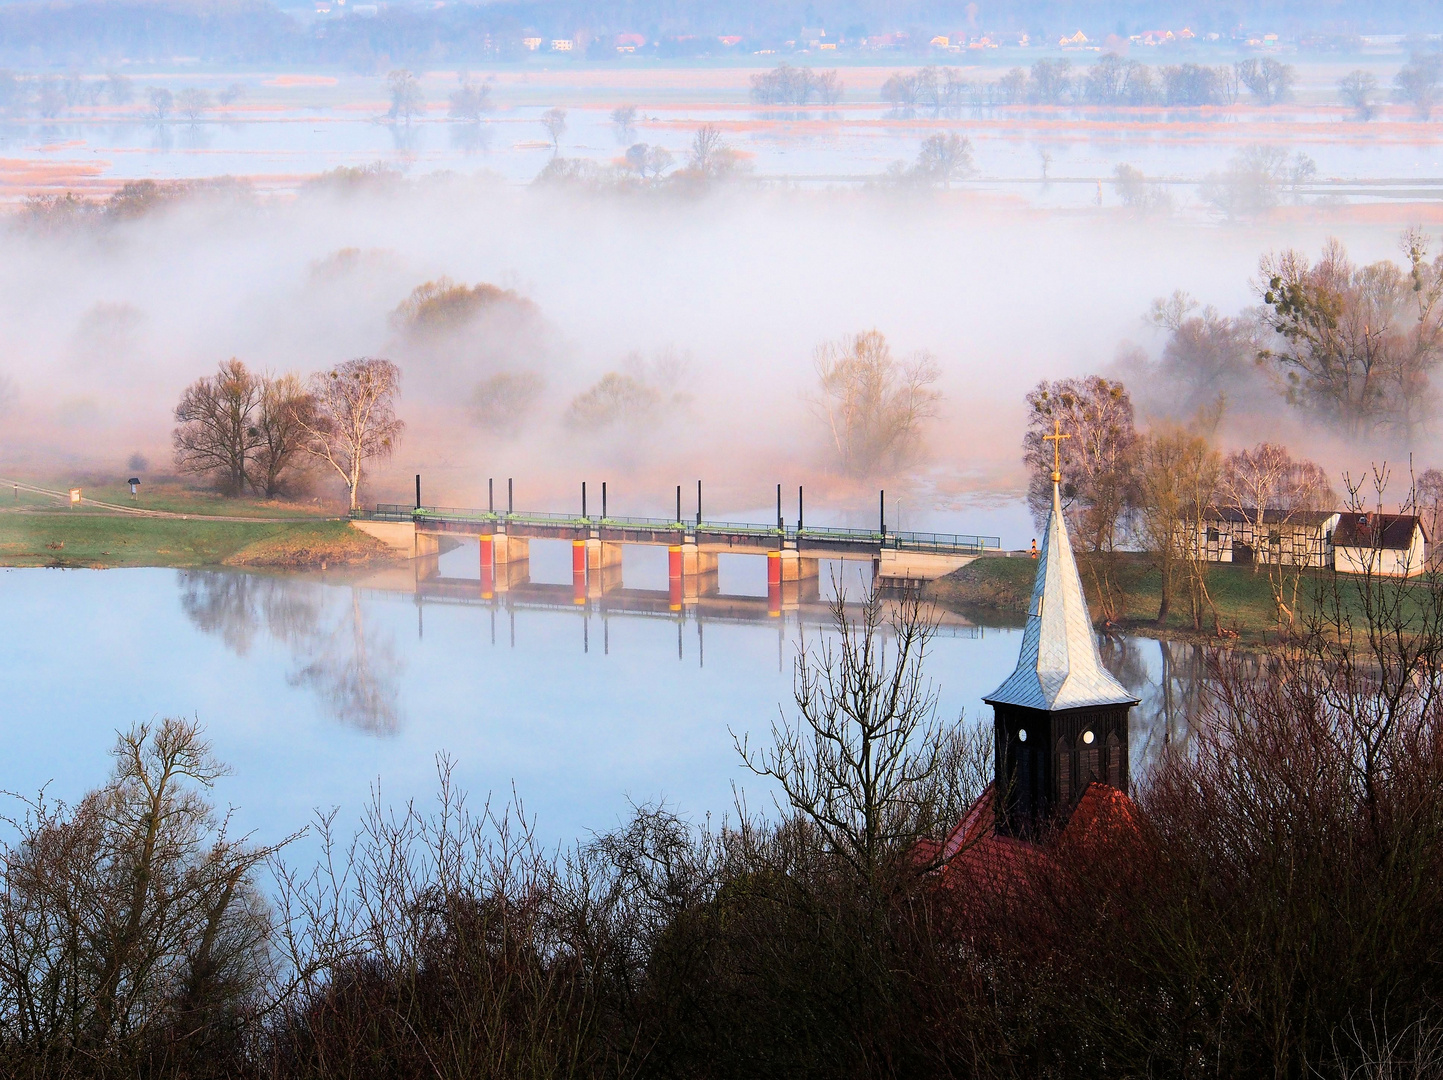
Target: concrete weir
{"x": 900, "y": 560}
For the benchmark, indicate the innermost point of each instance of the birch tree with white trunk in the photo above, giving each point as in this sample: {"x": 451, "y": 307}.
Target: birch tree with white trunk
{"x": 355, "y": 417}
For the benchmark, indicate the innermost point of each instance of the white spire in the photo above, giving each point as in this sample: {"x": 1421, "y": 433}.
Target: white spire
{"x": 1059, "y": 667}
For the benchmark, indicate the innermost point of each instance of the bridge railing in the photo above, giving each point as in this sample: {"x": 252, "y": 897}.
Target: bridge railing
{"x": 962, "y": 544}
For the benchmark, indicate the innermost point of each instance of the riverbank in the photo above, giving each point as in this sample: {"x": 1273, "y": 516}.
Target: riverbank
{"x": 75, "y": 539}
{"x": 1001, "y": 587}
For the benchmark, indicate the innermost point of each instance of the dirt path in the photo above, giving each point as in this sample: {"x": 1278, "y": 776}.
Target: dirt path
{"x": 137, "y": 511}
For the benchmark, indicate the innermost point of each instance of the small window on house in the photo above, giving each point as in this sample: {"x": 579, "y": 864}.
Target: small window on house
{"x": 1275, "y": 537}
{"x": 1114, "y": 761}
{"x": 1022, "y": 735}
{"x": 1214, "y": 536}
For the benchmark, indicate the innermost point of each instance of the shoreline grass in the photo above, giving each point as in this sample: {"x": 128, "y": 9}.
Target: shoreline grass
{"x": 92, "y": 540}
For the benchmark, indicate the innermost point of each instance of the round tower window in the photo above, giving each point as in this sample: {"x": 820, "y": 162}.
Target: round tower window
{"x": 1087, "y": 737}
{"x": 1022, "y": 735}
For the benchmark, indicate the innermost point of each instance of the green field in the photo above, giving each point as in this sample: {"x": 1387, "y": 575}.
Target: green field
{"x": 74, "y": 539}
{"x": 999, "y": 588}
{"x": 166, "y": 496}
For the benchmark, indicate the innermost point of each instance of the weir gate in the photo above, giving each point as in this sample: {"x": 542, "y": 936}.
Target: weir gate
{"x": 899, "y": 560}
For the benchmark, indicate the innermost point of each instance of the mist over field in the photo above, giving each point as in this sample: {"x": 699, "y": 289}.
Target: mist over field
{"x": 100, "y": 331}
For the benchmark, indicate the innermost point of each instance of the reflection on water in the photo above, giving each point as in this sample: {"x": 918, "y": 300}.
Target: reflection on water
{"x": 317, "y": 690}
{"x": 356, "y": 673}
{"x": 355, "y": 676}
{"x": 1169, "y": 679}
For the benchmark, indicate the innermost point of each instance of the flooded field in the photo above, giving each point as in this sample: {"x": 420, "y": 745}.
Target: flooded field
{"x": 285, "y": 127}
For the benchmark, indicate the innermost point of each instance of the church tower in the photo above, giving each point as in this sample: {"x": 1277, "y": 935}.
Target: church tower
{"x": 1060, "y": 719}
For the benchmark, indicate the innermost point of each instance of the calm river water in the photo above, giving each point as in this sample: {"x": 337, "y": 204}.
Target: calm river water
{"x": 316, "y": 689}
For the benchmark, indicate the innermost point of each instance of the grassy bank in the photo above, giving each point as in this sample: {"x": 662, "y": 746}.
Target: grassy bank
{"x": 75, "y": 539}
{"x": 167, "y": 496}
{"x": 999, "y": 588}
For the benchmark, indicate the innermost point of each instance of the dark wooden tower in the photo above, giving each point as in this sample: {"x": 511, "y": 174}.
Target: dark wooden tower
{"x": 1060, "y": 719}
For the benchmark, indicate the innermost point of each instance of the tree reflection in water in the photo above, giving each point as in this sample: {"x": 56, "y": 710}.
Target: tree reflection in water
{"x": 357, "y": 679}
{"x": 359, "y": 683}
{"x": 1171, "y": 680}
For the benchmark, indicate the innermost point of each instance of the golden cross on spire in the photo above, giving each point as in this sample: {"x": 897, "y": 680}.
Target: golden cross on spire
{"x": 1056, "y": 440}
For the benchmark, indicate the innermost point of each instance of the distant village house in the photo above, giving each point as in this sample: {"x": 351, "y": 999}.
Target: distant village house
{"x": 1392, "y": 545}
{"x": 1302, "y": 538}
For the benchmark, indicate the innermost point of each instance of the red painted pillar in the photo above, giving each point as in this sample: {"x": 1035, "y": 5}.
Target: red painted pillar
{"x": 673, "y": 560}
{"x": 578, "y": 571}
{"x": 488, "y": 569}
{"x": 774, "y": 583}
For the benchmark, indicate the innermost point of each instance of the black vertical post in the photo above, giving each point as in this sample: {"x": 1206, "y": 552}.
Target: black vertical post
{"x": 510, "y": 495}
{"x": 698, "y": 502}
{"x": 603, "y": 500}
{"x": 882, "y": 510}
{"x": 418, "y": 491}
{"x": 799, "y": 508}
{"x": 583, "y": 499}
{"x": 678, "y": 504}
{"x": 780, "y": 524}
{"x": 491, "y": 495}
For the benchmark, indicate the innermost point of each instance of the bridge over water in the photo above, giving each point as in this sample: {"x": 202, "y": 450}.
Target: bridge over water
{"x": 899, "y": 560}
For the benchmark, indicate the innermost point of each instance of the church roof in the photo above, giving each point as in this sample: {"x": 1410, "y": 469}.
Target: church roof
{"x": 1059, "y": 666}
{"x": 976, "y": 857}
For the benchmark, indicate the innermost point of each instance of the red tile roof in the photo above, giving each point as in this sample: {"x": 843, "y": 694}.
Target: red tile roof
{"x": 975, "y": 858}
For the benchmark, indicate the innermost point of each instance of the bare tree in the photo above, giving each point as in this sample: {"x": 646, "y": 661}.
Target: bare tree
{"x": 868, "y": 740}
{"x": 944, "y": 158}
{"x": 119, "y": 88}
{"x": 900, "y": 91}
{"x": 1270, "y": 488}
{"x": 131, "y": 929}
{"x": 216, "y": 434}
{"x": 648, "y": 161}
{"x": 192, "y": 102}
{"x": 161, "y": 101}
{"x": 286, "y": 409}
{"x": 1417, "y": 82}
{"x": 1358, "y": 343}
{"x": 355, "y": 417}
{"x": 710, "y": 156}
{"x": 470, "y": 100}
{"x": 1208, "y": 357}
{"x": 1268, "y": 80}
{"x": 554, "y": 121}
{"x": 829, "y": 87}
{"x": 1359, "y": 88}
{"x": 1098, "y": 461}
{"x": 875, "y": 407}
{"x": 1178, "y": 474}
{"x": 407, "y": 100}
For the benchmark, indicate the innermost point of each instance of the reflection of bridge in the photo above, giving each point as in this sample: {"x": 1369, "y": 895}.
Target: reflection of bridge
{"x": 793, "y": 554}
{"x": 785, "y": 609}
